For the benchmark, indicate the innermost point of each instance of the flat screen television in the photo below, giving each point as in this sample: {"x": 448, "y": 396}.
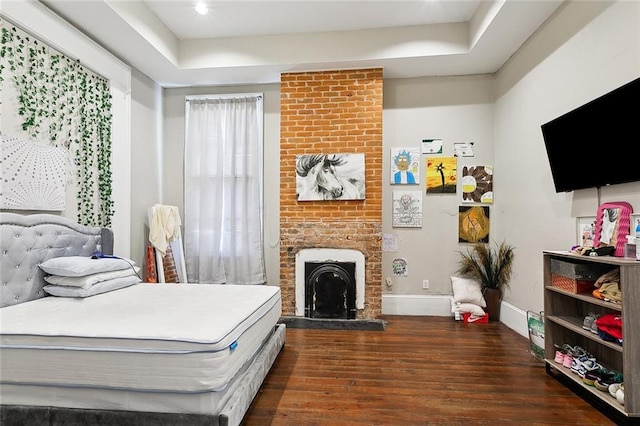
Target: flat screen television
{"x": 597, "y": 144}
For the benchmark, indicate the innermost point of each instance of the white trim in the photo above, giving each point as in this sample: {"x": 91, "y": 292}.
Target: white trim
{"x": 414, "y": 304}
{"x": 440, "y": 306}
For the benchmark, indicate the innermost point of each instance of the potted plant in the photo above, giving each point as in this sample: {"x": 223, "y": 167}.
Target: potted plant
{"x": 492, "y": 266}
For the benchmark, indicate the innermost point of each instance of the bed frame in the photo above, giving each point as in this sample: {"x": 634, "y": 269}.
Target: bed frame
{"x": 28, "y": 240}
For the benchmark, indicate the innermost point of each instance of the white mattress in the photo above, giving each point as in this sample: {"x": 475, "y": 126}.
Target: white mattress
{"x": 154, "y": 338}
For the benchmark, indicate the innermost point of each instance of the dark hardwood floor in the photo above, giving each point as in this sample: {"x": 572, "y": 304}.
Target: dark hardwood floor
{"x": 419, "y": 371}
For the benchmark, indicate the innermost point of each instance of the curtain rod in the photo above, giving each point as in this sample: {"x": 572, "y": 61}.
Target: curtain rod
{"x": 223, "y": 96}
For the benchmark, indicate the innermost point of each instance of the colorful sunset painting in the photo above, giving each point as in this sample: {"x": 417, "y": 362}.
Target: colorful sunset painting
{"x": 442, "y": 175}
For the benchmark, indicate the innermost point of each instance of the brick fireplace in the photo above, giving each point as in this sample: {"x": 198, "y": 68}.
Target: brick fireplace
{"x": 332, "y": 112}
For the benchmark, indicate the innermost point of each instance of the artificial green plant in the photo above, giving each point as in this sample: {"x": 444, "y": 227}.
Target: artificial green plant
{"x": 62, "y": 102}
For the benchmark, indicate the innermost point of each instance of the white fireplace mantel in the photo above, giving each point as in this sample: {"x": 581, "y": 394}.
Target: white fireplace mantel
{"x": 328, "y": 255}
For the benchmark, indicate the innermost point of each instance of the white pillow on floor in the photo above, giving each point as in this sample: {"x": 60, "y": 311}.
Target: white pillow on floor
{"x": 467, "y": 290}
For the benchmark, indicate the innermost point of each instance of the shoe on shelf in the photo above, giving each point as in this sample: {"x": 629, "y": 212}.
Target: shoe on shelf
{"x": 620, "y": 394}
{"x": 605, "y": 381}
{"x": 568, "y": 361}
{"x": 613, "y": 388}
{"x": 588, "y": 321}
{"x": 572, "y": 353}
{"x": 559, "y": 356}
{"x": 590, "y": 377}
{"x": 588, "y": 365}
{"x": 594, "y": 327}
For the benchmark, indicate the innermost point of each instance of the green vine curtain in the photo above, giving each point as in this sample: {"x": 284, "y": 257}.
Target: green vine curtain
{"x": 62, "y": 102}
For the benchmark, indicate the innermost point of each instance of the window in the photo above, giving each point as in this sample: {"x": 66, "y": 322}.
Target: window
{"x": 223, "y": 191}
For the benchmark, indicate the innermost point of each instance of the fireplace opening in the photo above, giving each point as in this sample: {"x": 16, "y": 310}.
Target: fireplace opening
{"x": 345, "y": 268}
{"x": 330, "y": 290}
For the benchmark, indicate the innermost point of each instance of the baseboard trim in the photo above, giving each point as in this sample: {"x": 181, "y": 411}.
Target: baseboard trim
{"x": 440, "y": 306}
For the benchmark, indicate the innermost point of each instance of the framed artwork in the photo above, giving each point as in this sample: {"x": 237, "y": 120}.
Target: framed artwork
{"x": 613, "y": 226}
{"x": 473, "y": 224}
{"x": 477, "y": 184}
{"x": 585, "y": 230}
{"x": 330, "y": 177}
{"x": 441, "y": 175}
{"x": 405, "y": 166}
{"x": 407, "y": 209}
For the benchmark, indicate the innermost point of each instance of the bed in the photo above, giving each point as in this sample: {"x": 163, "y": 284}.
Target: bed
{"x": 137, "y": 353}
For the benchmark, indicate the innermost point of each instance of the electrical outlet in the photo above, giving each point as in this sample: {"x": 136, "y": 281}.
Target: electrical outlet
{"x": 425, "y": 284}
{"x": 389, "y": 282}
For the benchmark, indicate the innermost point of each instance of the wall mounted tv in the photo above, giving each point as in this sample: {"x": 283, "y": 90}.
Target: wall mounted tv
{"x": 597, "y": 144}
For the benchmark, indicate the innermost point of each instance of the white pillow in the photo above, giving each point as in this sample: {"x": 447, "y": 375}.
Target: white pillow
{"x": 101, "y": 287}
{"x": 467, "y": 290}
{"x": 79, "y": 266}
{"x": 89, "y": 280}
{"x": 470, "y": 308}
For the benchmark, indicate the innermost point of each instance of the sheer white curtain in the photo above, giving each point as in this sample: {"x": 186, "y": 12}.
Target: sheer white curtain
{"x": 223, "y": 189}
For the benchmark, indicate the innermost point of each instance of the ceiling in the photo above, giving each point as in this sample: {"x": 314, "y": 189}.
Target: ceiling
{"x": 254, "y": 41}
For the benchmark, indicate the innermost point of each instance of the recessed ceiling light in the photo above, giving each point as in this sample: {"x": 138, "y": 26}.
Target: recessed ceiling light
{"x": 202, "y": 8}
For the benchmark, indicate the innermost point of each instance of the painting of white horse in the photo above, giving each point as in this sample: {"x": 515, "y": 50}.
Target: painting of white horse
{"x": 330, "y": 177}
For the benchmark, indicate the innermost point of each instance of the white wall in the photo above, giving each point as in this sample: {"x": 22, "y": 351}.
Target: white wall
{"x": 455, "y": 109}
{"x": 586, "y": 50}
{"x": 36, "y": 19}
{"x": 147, "y": 152}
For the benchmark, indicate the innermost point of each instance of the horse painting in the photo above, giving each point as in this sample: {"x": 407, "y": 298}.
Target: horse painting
{"x": 317, "y": 178}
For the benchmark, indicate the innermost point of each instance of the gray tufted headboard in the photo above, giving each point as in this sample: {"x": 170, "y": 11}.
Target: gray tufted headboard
{"x": 28, "y": 240}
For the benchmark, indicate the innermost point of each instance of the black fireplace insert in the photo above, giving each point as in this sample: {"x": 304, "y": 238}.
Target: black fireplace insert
{"x": 330, "y": 290}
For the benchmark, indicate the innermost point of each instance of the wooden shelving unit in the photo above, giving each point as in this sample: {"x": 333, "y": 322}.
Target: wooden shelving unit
{"x": 564, "y": 314}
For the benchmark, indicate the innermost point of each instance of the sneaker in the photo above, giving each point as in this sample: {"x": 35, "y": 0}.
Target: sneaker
{"x": 590, "y": 377}
{"x": 588, "y": 321}
{"x": 616, "y": 390}
{"x": 594, "y": 326}
{"x": 588, "y": 365}
{"x": 620, "y": 394}
{"x": 559, "y": 357}
{"x": 613, "y": 388}
{"x": 605, "y": 381}
{"x": 584, "y": 363}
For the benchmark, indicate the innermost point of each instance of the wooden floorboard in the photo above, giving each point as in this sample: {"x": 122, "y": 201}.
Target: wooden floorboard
{"x": 418, "y": 371}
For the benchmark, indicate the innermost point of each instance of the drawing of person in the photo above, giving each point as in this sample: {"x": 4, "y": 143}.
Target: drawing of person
{"x": 402, "y": 161}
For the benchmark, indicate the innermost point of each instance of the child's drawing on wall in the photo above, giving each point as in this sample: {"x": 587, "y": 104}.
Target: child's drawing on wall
{"x": 399, "y": 267}
{"x": 404, "y": 166}
{"x": 441, "y": 175}
{"x": 477, "y": 184}
{"x": 407, "y": 209}
{"x": 473, "y": 224}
